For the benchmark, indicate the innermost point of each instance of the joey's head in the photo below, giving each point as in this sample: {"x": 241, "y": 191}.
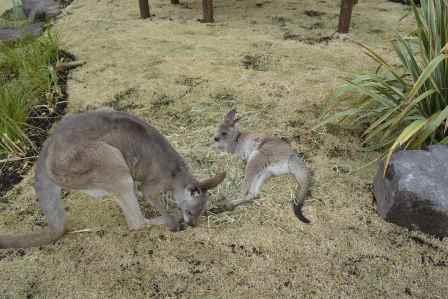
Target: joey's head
{"x": 228, "y": 132}
{"x": 192, "y": 199}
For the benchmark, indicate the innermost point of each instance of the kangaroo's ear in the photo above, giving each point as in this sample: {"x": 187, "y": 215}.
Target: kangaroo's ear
{"x": 194, "y": 190}
{"x": 212, "y": 182}
{"x": 231, "y": 117}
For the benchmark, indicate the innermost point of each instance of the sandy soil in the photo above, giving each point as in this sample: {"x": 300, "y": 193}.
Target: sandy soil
{"x": 182, "y": 76}
{"x": 5, "y": 5}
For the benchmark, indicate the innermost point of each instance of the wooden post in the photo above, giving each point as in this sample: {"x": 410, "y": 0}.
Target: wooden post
{"x": 144, "y": 9}
{"x": 345, "y": 16}
{"x": 207, "y": 11}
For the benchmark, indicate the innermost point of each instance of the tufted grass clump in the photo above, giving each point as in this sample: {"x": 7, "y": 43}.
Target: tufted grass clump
{"x": 404, "y": 105}
{"x": 27, "y": 78}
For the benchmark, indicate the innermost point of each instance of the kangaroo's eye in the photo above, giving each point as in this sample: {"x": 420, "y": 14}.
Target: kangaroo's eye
{"x": 224, "y": 133}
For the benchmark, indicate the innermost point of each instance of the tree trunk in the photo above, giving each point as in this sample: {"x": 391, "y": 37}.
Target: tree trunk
{"x": 144, "y": 9}
{"x": 207, "y": 11}
{"x": 345, "y": 16}
{"x": 174, "y": 1}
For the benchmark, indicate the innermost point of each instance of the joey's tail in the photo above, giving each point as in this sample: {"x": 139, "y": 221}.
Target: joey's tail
{"x": 298, "y": 168}
{"x": 51, "y": 203}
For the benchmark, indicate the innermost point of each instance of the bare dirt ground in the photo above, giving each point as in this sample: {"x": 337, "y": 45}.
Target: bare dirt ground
{"x": 182, "y": 76}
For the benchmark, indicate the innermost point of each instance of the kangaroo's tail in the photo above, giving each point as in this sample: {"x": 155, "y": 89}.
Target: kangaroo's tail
{"x": 51, "y": 203}
{"x": 298, "y": 168}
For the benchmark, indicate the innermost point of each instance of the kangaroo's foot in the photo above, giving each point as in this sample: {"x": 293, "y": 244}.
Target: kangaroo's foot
{"x": 171, "y": 222}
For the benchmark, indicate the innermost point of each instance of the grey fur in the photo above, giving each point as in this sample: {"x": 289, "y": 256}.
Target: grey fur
{"x": 107, "y": 152}
{"x": 266, "y": 157}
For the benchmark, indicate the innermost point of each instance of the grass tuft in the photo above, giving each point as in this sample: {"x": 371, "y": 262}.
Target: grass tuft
{"x": 27, "y": 78}
{"x": 404, "y": 106}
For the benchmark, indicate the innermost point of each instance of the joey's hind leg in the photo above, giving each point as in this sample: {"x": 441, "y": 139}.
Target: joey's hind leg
{"x": 254, "y": 188}
{"x": 256, "y": 176}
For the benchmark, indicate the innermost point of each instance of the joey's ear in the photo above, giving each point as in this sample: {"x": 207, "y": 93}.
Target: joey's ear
{"x": 212, "y": 182}
{"x": 231, "y": 117}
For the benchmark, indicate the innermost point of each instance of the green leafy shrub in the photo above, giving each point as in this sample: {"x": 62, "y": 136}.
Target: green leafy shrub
{"x": 404, "y": 106}
{"x": 27, "y": 78}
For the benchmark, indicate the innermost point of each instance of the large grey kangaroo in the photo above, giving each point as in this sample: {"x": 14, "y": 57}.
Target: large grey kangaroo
{"x": 107, "y": 152}
{"x": 266, "y": 157}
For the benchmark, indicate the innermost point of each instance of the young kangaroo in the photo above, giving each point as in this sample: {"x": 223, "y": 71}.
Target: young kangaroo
{"x": 266, "y": 157}
{"x": 106, "y": 152}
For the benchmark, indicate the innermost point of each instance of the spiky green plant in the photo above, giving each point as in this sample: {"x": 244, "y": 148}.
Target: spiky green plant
{"x": 404, "y": 106}
{"x": 14, "y": 17}
{"x": 26, "y": 79}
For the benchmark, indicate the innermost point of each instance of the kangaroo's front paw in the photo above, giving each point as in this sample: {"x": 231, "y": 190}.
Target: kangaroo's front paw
{"x": 174, "y": 224}
{"x": 229, "y": 205}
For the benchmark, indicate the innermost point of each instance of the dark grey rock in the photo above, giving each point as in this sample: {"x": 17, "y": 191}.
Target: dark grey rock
{"x": 40, "y": 10}
{"x": 13, "y": 34}
{"x": 37, "y": 12}
{"x": 414, "y": 192}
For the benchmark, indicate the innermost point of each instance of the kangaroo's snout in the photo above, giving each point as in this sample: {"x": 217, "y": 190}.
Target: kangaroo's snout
{"x": 192, "y": 223}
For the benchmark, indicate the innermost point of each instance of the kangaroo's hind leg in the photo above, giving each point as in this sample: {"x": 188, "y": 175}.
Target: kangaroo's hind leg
{"x": 257, "y": 173}
{"x": 100, "y": 166}
{"x": 117, "y": 179}
{"x": 49, "y": 195}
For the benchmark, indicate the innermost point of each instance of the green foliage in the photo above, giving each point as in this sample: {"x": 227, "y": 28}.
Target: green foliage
{"x": 14, "y": 17}
{"x": 404, "y": 106}
{"x": 27, "y": 78}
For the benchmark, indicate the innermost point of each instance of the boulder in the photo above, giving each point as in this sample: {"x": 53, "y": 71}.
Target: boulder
{"x": 39, "y": 10}
{"x": 13, "y": 34}
{"x": 414, "y": 192}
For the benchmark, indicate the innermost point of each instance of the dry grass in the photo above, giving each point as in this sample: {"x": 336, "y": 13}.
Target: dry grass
{"x": 5, "y": 5}
{"x": 182, "y": 76}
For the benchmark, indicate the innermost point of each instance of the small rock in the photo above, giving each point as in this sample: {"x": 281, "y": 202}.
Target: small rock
{"x": 40, "y": 9}
{"x": 13, "y": 34}
{"x": 414, "y": 192}
{"x": 37, "y": 12}
{"x": 406, "y": 2}
{"x": 313, "y": 13}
